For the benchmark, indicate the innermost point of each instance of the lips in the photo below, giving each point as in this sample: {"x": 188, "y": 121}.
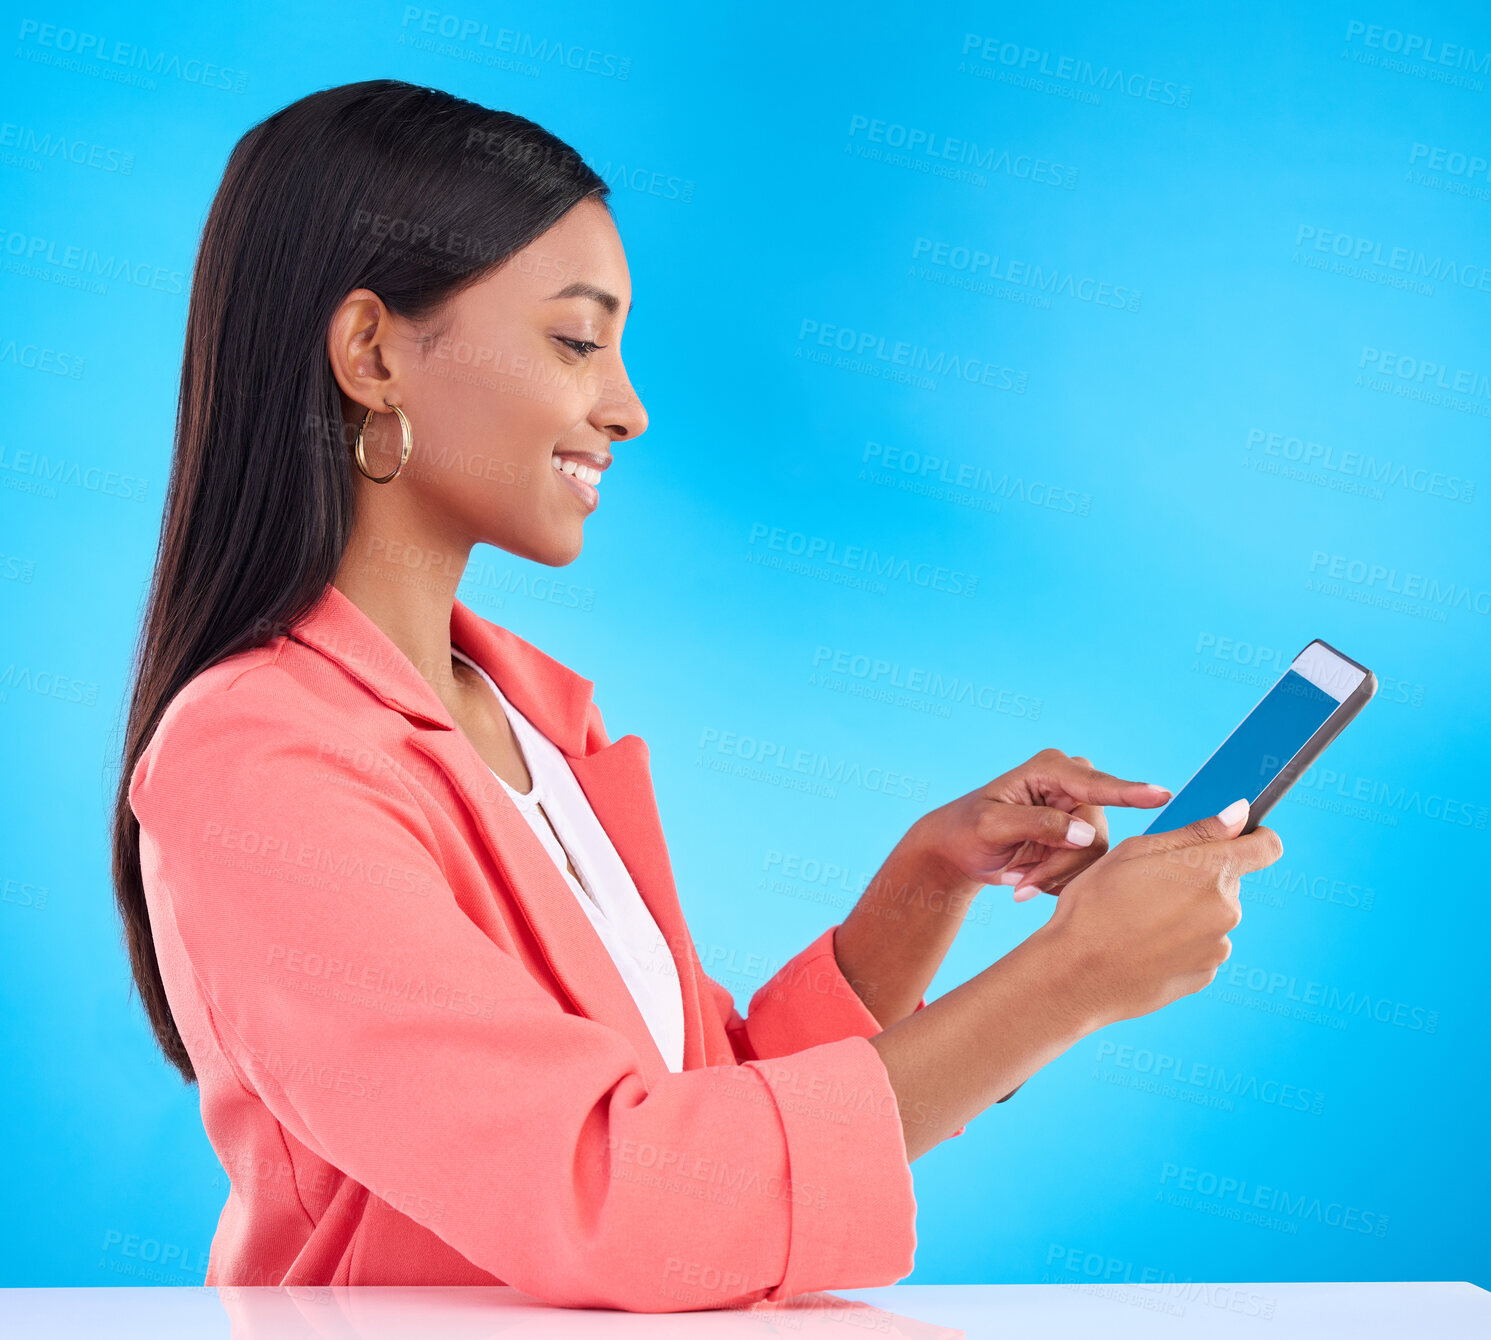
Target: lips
{"x": 596, "y": 460}
{"x": 581, "y": 472}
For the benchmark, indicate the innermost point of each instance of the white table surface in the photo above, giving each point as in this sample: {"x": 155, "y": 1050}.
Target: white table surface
{"x": 1443, "y": 1311}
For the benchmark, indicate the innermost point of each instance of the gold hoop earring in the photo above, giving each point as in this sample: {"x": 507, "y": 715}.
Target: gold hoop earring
{"x": 408, "y": 445}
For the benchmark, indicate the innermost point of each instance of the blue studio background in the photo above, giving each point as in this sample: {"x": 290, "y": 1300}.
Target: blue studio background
{"x": 1140, "y": 345}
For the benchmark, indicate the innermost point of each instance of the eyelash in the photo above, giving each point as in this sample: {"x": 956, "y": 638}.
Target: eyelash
{"x": 582, "y": 347}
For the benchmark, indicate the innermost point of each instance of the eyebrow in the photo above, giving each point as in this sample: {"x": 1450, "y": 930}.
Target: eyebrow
{"x": 580, "y": 289}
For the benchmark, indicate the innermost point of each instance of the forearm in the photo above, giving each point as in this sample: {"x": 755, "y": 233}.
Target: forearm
{"x": 972, "y": 1047}
{"x": 893, "y": 941}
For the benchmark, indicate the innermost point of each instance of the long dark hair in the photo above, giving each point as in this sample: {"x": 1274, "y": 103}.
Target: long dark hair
{"x": 407, "y": 191}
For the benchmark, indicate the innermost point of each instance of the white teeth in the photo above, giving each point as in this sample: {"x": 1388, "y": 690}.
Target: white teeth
{"x": 587, "y": 474}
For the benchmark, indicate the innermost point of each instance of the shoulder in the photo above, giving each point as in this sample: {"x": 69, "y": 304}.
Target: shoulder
{"x": 244, "y": 724}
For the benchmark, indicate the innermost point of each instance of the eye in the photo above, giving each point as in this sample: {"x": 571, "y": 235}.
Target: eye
{"x": 582, "y": 347}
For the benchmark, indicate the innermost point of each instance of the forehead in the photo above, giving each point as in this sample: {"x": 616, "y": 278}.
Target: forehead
{"x": 581, "y": 252}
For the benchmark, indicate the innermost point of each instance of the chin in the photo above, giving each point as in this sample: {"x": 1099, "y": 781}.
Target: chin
{"x": 559, "y": 553}
{"x": 554, "y": 550}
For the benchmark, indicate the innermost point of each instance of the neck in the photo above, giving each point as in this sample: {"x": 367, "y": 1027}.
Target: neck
{"x": 410, "y": 602}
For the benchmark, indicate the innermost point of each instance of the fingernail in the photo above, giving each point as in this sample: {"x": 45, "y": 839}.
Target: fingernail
{"x": 1235, "y": 811}
{"x": 1081, "y": 832}
{"x": 1026, "y": 894}
{"x": 1160, "y": 790}
{"x": 1010, "y": 877}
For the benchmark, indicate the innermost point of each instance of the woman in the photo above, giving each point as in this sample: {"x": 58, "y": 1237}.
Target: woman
{"x": 393, "y": 896}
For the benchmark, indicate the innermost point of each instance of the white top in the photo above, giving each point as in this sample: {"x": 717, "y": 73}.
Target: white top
{"x": 605, "y": 889}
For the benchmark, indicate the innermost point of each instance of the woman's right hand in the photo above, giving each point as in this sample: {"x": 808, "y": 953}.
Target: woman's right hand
{"x": 1148, "y": 921}
{"x": 1145, "y": 923}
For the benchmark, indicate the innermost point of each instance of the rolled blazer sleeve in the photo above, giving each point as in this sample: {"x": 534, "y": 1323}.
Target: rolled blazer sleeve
{"x": 807, "y": 1002}
{"x": 528, "y": 1132}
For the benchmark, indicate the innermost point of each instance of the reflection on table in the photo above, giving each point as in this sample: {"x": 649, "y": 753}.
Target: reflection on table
{"x": 1112, "y": 1310}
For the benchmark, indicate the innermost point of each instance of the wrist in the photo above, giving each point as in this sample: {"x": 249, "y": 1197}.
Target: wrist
{"x": 1067, "y": 974}
{"x": 923, "y": 852}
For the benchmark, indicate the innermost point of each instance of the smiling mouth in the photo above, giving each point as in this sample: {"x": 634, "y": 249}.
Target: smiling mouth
{"x": 580, "y": 478}
{"x": 568, "y": 465}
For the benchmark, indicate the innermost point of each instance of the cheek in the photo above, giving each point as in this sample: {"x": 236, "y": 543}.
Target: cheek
{"x": 487, "y": 442}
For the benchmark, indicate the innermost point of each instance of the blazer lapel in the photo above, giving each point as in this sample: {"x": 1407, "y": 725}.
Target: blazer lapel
{"x": 575, "y": 953}
{"x": 614, "y": 778}
{"x": 618, "y": 784}
{"x": 616, "y": 781}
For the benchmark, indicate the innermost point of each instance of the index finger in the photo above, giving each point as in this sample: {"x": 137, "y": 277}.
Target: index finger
{"x": 1086, "y": 785}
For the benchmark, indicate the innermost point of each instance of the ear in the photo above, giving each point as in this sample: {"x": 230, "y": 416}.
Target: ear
{"x": 366, "y": 355}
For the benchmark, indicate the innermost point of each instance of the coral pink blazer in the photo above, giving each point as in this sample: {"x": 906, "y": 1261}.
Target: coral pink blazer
{"x": 417, "y": 1062}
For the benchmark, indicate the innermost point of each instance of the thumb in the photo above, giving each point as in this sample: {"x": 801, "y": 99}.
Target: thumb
{"x": 1004, "y": 824}
{"x": 1228, "y": 824}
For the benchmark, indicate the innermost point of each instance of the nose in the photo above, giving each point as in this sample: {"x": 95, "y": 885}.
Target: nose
{"x": 619, "y": 412}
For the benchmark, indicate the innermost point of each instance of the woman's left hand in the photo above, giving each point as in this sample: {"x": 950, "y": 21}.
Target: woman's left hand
{"x": 1035, "y": 827}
